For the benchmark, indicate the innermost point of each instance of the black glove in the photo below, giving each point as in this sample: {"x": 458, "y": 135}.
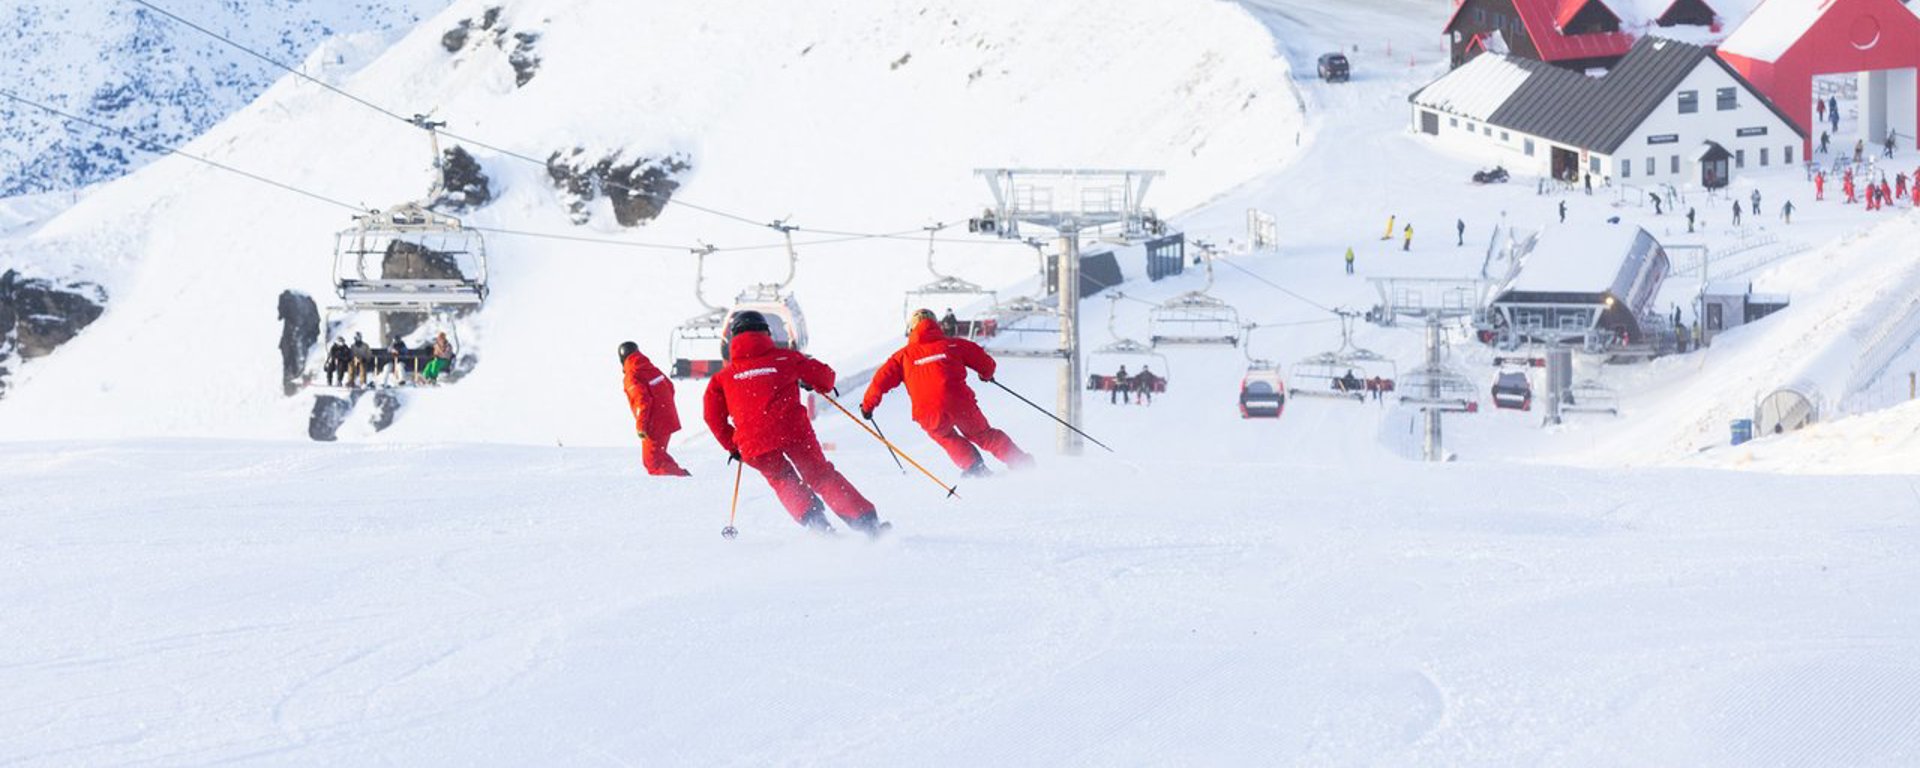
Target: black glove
{"x": 806, "y": 386}
{"x": 866, "y": 413}
{"x": 733, "y": 456}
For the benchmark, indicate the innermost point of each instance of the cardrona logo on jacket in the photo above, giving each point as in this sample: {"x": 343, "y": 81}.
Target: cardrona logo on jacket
{"x": 931, "y": 359}
{"x": 755, "y": 373}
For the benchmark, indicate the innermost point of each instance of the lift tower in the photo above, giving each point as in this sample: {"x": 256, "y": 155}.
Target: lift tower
{"x": 1067, "y": 201}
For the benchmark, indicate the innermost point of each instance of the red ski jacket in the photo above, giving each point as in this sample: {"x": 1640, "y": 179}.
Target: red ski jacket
{"x": 935, "y": 370}
{"x": 753, "y": 404}
{"x": 650, "y": 394}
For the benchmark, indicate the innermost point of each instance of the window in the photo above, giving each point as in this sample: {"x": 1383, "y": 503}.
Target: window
{"x": 1504, "y": 137}
{"x": 1479, "y": 16}
{"x": 1786, "y": 154}
{"x": 1651, "y": 168}
{"x": 1593, "y": 165}
{"x": 1453, "y": 122}
{"x": 1675, "y": 166}
{"x": 1487, "y": 129}
{"x": 1470, "y": 128}
{"x": 1726, "y": 99}
{"x": 1689, "y": 102}
{"x": 1763, "y": 157}
{"x": 1739, "y": 158}
{"x": 1626, "y": 168}
{"x": 1528, "y": 143}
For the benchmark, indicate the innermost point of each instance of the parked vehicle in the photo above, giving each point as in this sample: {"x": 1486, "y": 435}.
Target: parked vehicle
{"x": 1496, "y": 176}
{"x": 1333, "y": 67}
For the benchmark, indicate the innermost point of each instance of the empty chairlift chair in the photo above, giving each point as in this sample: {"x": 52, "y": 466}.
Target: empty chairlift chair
{"x": 1263, "y": 394}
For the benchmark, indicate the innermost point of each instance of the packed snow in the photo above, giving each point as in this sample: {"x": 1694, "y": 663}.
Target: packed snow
{"x": 494, "y": 580}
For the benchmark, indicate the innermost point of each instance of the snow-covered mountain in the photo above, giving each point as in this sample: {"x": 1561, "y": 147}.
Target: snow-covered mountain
{"x": 867, "y": 115}
{"x": 122, "y": 64}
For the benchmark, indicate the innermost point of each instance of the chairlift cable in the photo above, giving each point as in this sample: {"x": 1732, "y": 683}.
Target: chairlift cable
{"x": 164, "y": 149}
{"x": 1279, "y": 287}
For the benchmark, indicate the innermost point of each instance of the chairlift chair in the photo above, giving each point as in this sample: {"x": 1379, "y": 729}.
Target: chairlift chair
{"x": 1513, "y": 391}
{"x": 1114, "y": 354}
{"x": 947, "y": 291}
{"x": 1347, "y": 372}
{"x": 1195, "y": 318}
{"x": 699, "y": 346}
{"x": 1590, "y": 396}
{"x": 1263, "y": 393}
{"x": 364, "y": 253}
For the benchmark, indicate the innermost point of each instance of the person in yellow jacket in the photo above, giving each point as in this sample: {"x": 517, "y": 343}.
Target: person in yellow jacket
{"x": 1349, "y": 260}
{"x": 1389, "y": 233}
{"x": 1407, "y": 244}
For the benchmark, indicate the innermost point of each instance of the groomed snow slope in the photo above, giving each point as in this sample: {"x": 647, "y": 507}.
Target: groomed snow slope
{"x": 209, "y": 601}
{"x": 785, "y": 110}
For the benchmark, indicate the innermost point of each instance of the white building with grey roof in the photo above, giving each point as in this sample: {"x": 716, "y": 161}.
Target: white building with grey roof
{"x": 1668, "y": 113}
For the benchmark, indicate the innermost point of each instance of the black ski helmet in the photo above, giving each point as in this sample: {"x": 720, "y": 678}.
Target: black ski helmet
{"x": 746, "y": 320}
{"x": 628, "y": 349}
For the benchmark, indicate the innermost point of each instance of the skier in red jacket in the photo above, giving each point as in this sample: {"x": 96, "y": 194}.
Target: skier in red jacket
{"x": 753, "y": 408}
{"x": 934, "y": 368}
{"x": 650, "y": 395}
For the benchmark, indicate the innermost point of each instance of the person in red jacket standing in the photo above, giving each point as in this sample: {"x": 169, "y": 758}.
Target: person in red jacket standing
{"x": 650, "y": 395}
{"x": 753, "y": 408}
{"x": 934, "y": 368}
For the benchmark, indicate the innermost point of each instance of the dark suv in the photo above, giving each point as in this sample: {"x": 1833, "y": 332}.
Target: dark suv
{"x": 1333, "y": 67}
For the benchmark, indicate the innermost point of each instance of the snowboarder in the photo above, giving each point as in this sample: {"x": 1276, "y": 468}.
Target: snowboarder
{"x": 1389, "y": 232}
{"x": 753, "y": 408}
{"x": 1786, "y": 212}
{"x": 1689, "y": 219}
{"x": 442, "y": 359}
{"x": 1407, "y": 243}
{"x": 1819, "y": 186}
{"x": 1349, "y": 260}
{"x": 1563, "y": 211}
{"x": 1143, "y": 383}
{"x": 1823, "y": 142}
{"x": 1117, "y": 387}
{"x": 934, "y": 368}
{"x": 1459, "y": 232}
{"x": 1736, "y": 213}
{"x": 362, "y": 361}
{"x": 339, "y": 358}
{"x": 1889, "y": 144}
{"x": 650, "y": 397}
{"x": 1657, "y": 202}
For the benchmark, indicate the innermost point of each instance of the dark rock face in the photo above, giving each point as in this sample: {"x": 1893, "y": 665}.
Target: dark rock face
{"x": 38, "y": 315}
{"x": 487, "y": 29}
{"x": 465, "y": 184}
{"x": 639, "y": 190}
{"x": 385, "y": 405}
{"x": 299, "y": 331}
{"x": 329, "y": 413}
{"x": 408, "y": 261}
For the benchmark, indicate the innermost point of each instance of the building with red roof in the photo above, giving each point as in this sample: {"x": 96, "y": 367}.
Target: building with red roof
{"x": 1785, "y": 44}
{"x": 1581, "y": 34}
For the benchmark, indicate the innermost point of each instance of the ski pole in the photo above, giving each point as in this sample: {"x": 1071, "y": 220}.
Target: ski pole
{"x": 1030, "y": 403}
{"x": 952, "y": 490}
{"x": 882, "y": 434}
{"x": 728, "y": 532}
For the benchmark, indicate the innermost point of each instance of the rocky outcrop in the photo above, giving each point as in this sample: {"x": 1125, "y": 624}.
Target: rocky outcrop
{"x": 330, "y": 412}
{"x": 407, "y": 261}
{"x": 489, "y": 29}
{"x": 38, "y": 315}
{"x": 299, "y": 332}
{"x": 464, "y": 185}
{"x": 638, "y": 190}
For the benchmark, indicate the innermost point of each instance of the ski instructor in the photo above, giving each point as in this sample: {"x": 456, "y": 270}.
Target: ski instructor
{"x": 934, "y": 368}
{"x": 753, "y": 408}
{"x": 655, "y": 417}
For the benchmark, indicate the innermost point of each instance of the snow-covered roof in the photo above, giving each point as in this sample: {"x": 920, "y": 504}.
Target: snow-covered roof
{"x": 1580, "y": 258}
{"x": 1774, "y": 27}
{"x": 1476, "y": 88}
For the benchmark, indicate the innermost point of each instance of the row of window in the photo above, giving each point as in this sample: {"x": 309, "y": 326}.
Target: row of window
{"x": 1673, "y": 161}
{"x": 1500, "y": 20}
{"x": 1725, "y": 99}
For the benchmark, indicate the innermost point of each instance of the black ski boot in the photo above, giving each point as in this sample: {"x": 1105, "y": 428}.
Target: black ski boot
{"x": 870, "y": 525}
{"x": 979, "y": 469}
{"x": 816, "y": 520}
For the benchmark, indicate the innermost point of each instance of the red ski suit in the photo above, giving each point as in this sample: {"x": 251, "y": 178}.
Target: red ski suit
{"x": 655, "y": 418}
{"x": 753, "y": 406}
{"x": 934, "y": 368}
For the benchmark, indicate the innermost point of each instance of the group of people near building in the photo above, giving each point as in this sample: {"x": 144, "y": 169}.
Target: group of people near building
{"x": 755, "y": 410}
{"x": 1132, "y": 389}
{"x": 355, "y": 365}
